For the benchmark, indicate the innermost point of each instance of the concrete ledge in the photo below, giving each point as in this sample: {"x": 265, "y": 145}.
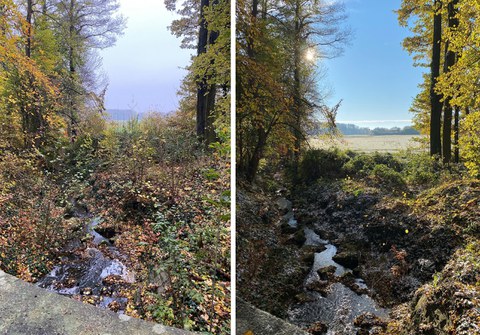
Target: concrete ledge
{"x": 250, "y": 318}
{"x": 29, "y": 310}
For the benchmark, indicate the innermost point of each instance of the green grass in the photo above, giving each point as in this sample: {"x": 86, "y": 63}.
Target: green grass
{"x": 384, "y": 143}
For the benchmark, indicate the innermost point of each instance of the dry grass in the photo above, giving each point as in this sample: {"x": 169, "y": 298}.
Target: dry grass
{"x": 384, "y": 143}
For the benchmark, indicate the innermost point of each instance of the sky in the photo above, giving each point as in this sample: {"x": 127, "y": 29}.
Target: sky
{"x": 144, "y": 68}
{"x": 375, "y": 77}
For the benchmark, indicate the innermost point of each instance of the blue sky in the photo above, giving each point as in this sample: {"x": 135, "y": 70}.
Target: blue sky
{"x": 375, "y": 77}
{"x": 144, "y": 67}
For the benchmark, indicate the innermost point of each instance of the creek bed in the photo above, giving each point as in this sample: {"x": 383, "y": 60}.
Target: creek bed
{"x": 338, "y": 306}
{"x": 96, "y": 274}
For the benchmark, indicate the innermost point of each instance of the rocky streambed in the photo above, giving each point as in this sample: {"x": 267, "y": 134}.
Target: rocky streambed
{"x": 96, "y": 274}
{"x": 334, "y": 300}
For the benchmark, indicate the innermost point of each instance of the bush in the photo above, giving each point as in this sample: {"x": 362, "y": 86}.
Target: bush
{"x": 319, "y": 163}
{"x": 389, "y": 177}
{"x": 363, "y": 164}
{"x": 422, "y": 169}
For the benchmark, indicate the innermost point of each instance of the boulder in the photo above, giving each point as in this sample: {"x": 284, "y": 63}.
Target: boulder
{"x": 347, "y": 259}
{"x": 284, "y": 205}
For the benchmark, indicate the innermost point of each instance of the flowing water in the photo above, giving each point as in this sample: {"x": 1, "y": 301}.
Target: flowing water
{"x": 339, "y": 307}
{"x": 93, "y": 273}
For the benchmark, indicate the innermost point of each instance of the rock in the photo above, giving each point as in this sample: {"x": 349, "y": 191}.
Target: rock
{"x": 251, "y": 320}
{"x": 319, "y": 286}
{"x": 318, "y": 328}
{"x": 303, "y": 298}
{"x": 426, "y": 264}
{"x": 284, "y": 205}
{"x": 326, "y": 273}
{"x": 28, "y": 309}
{"x": 308, "y": 257}
{"x": 287, "y": 229}
{"x": 114, "y": 306}
{"x": 348, "y": 279}
{"x": 368, "y": 321}
{"x": 347, "y": 259}
{"x": 298, "y": 238}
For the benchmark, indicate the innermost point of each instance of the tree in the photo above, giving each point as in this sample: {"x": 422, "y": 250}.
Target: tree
{"x": 276, "y": 82}
{"x": 435, "y": 97}
{"x": 208, "y": 23}
{"x": 84, "y": 26}
{"x": 310, "y": 24}
{"x": 450, "y": 59}
{"x": 29, "y": 94}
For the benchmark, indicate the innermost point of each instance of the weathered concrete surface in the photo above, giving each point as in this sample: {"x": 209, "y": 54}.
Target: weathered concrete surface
{"x": 29, "y": 310}
{"x": 250, "y": 318}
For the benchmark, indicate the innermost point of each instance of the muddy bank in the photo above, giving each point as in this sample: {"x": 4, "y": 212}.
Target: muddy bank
{"x": 270, "y": 266}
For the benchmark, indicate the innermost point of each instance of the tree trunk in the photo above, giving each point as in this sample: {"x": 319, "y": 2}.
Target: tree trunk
{"x": 450, "y": 60}
{"x": 72, "y": 130}
{"x": 254, "y": 161}
{"x": 205, "y": 92}
{"x": 435, "y": 98}
{"x": 297, "y": 94}
{"x": 456, "y": 136}
{"x": 28, "y": 43}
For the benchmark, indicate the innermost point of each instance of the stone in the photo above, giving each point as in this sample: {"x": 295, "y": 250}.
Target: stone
{"x": 318, "y": 328}
{"x": 347, "y": 259}
{"x": 284, "y": 205}
{"x": 326, "y": 273}
{"x": 26, "y": 309}
{"x": 253, "y": 320}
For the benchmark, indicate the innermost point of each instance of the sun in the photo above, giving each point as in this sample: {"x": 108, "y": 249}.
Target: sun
{"x": 310, "y": 54}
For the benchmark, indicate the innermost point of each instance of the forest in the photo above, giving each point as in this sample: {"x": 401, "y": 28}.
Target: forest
{"x": 342, "y": 242}
{"x": 129, "y": 216}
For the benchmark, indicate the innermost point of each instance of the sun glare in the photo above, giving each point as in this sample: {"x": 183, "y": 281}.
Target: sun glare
{"x": 310, "y": 54}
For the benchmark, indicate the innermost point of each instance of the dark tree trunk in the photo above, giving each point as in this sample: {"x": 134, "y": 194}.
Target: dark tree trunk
{"x": 450, "y": 60}
{"x": 297, "y": 94}
{"x": 28, "y": 43}
{"x": 72, "y": 129}
{"x": 456, "y": 130}
{"x": 205, "y": 92}
{"x": 435, "y": 98}
{"x": 257, "y": 153}
{"x": 447, "y": 132}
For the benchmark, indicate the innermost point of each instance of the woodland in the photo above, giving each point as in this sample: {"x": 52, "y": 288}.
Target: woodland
{"x": 359, "y": 243}
{"x": 131, "y": 216}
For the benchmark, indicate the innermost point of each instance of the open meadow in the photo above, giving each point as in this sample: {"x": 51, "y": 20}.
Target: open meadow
{"x": 365, "y": 143}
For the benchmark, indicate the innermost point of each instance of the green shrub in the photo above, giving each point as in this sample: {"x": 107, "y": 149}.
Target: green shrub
{"x": 318, "y": 163}
{"x": 359, "y": 165}
{"x": 422, "y": 169}
{"x": 363, "y": 164}
{"x": 388, "y": 177}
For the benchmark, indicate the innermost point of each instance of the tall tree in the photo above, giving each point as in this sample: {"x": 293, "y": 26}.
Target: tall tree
{"x": 85, "y": 26}
{"x": 205, "y": 26}
{"x": 276, "y": 84}
{"x": 450, "y": 59}
{"x": 435, "y": 97}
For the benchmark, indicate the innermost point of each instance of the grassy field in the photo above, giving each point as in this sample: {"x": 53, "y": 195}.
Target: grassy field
{"x": 385, "y": 143}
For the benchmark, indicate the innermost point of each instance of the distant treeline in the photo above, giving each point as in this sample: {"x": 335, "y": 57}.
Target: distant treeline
{"x": 351, "y": 129}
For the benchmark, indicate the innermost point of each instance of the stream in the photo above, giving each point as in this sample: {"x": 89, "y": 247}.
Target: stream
{"x": 95, "y": 274}
{"x": 338, "y": 306}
